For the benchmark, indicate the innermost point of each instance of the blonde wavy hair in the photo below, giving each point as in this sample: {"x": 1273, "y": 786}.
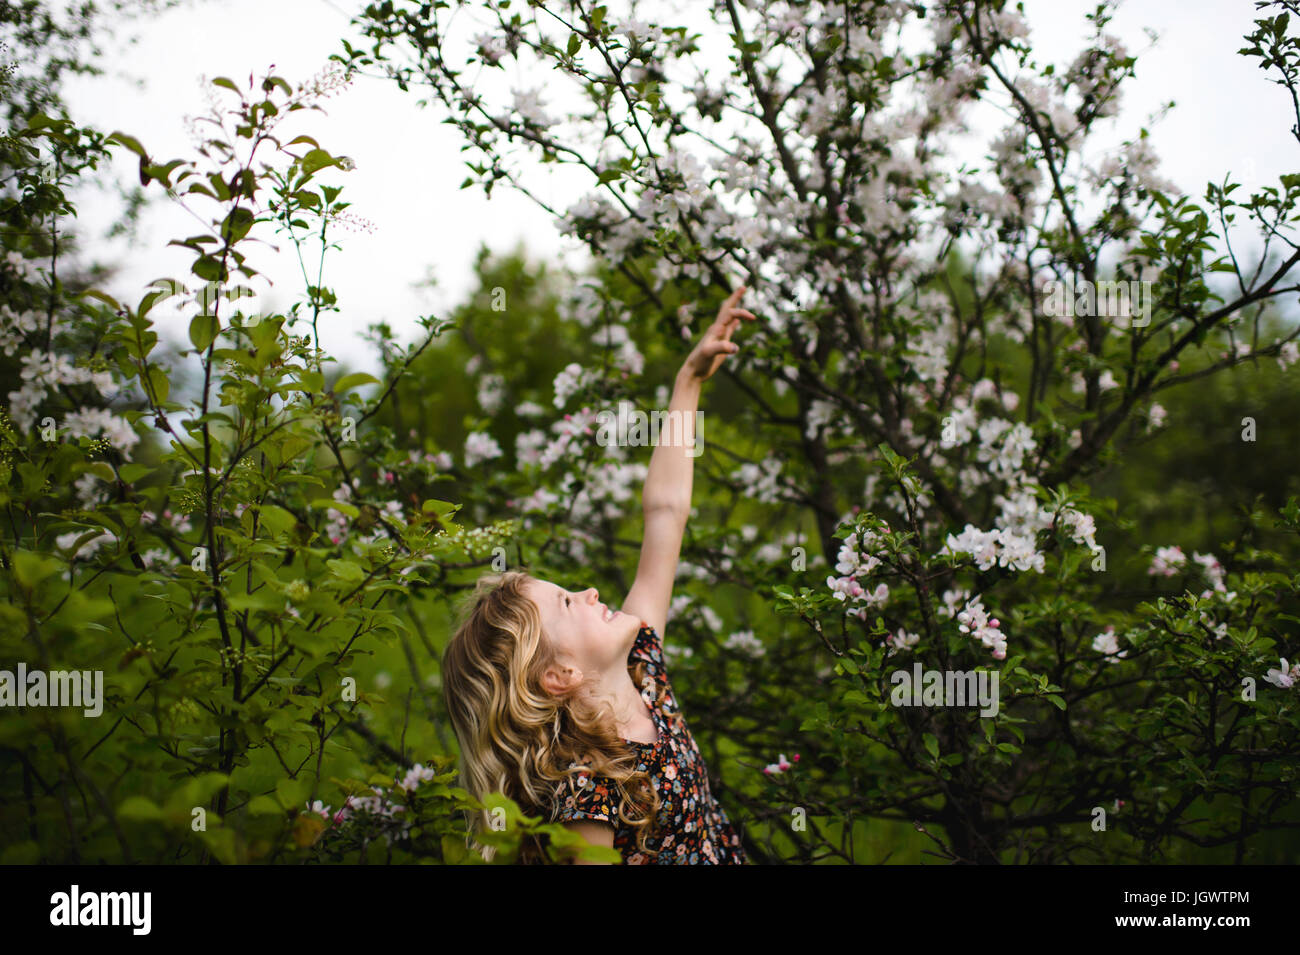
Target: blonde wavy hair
{"x": 515, "y": 737}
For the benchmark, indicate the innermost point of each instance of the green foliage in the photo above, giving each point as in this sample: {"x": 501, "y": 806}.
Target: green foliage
{"x": 224, "y": 579}
{"x": 261, "y": 553}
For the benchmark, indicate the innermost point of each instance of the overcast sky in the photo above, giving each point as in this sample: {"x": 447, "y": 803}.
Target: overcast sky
{"x": 409, "y": 167}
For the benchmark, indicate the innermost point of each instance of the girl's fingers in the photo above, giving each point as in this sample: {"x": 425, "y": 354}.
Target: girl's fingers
{"x": 713, "y": 349}
{"x": 729, "y": 315}
{"x": 731, "y": 301}
{"x": 734, "y": 316}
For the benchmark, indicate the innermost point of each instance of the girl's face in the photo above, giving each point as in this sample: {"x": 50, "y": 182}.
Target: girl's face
{"x": 588, "y": 636}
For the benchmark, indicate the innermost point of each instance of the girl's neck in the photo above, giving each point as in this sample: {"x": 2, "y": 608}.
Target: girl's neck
{"x": 631, "y": 715}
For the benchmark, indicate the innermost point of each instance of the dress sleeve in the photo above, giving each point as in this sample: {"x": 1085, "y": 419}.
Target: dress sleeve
{"x": 648, "y": 649}
{"x": 656, "y": 689}
{"x": 586, "y": 796}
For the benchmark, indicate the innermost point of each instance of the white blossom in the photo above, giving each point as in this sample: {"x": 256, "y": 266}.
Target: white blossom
{"x": 480, "y": 446}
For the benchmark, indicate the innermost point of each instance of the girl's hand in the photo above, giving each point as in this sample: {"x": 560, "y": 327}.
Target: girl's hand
{"x": 712, "y": 350}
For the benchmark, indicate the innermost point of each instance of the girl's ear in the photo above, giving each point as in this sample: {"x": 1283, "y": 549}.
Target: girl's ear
{"x": 560, "y": 680}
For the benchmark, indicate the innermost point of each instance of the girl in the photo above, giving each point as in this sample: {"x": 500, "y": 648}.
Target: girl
{"x": 563, "y": 704}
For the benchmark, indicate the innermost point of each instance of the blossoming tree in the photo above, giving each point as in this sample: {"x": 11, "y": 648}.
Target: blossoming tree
{"x": 914, "y": 395}
{"x": 190, "y": 525}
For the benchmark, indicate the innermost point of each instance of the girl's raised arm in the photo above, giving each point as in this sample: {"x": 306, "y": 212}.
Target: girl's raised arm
{"x": 666, "y": 497}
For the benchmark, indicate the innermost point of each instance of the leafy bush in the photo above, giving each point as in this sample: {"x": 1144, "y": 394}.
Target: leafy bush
{"x": 920, "y": 461}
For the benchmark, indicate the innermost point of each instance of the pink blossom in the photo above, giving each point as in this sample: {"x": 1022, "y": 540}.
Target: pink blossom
{"x": 1283, "y": 678}
{"x": 1167, "y": 562}
{"x": 782, "y": 765}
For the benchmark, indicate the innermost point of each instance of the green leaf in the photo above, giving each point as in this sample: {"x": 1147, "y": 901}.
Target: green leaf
{"x": 38, "y": 121}
{"x": 139, "y": 809}
{"x": 277, "y": 519}
{"x": 317, "y": 159}
{"x": 194, "y": 793}
{"x": 438, "y": 508}
{"x": 31, "y": 568}
{"x": 160, "y": 385}
{"x": 222, "y": 844}
{"x": 264, "y": 806}
{"x": 292, "y": 792}
{"x": 569, "y": 842}
{"x": 102, "y": 296}
{"x": 931, "y": 744}
{"x": 343, "y": 507}
{"x": 130, "y": 142}
{"x": 312, "y": 380}
{"x": 203, "y": 331}
{"x": 22, "y": 853}
{"x": 237, "y": 224}
{"x": 354, "y": 380}
{"x": 454, "y": 850}
{"x": 345, "y": 569}
{"x": 208, "y": 268}
{"x": 34, "y": 478}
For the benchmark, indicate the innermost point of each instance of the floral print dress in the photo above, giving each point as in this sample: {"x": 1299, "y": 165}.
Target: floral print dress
{"x": 690, "y": 827}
